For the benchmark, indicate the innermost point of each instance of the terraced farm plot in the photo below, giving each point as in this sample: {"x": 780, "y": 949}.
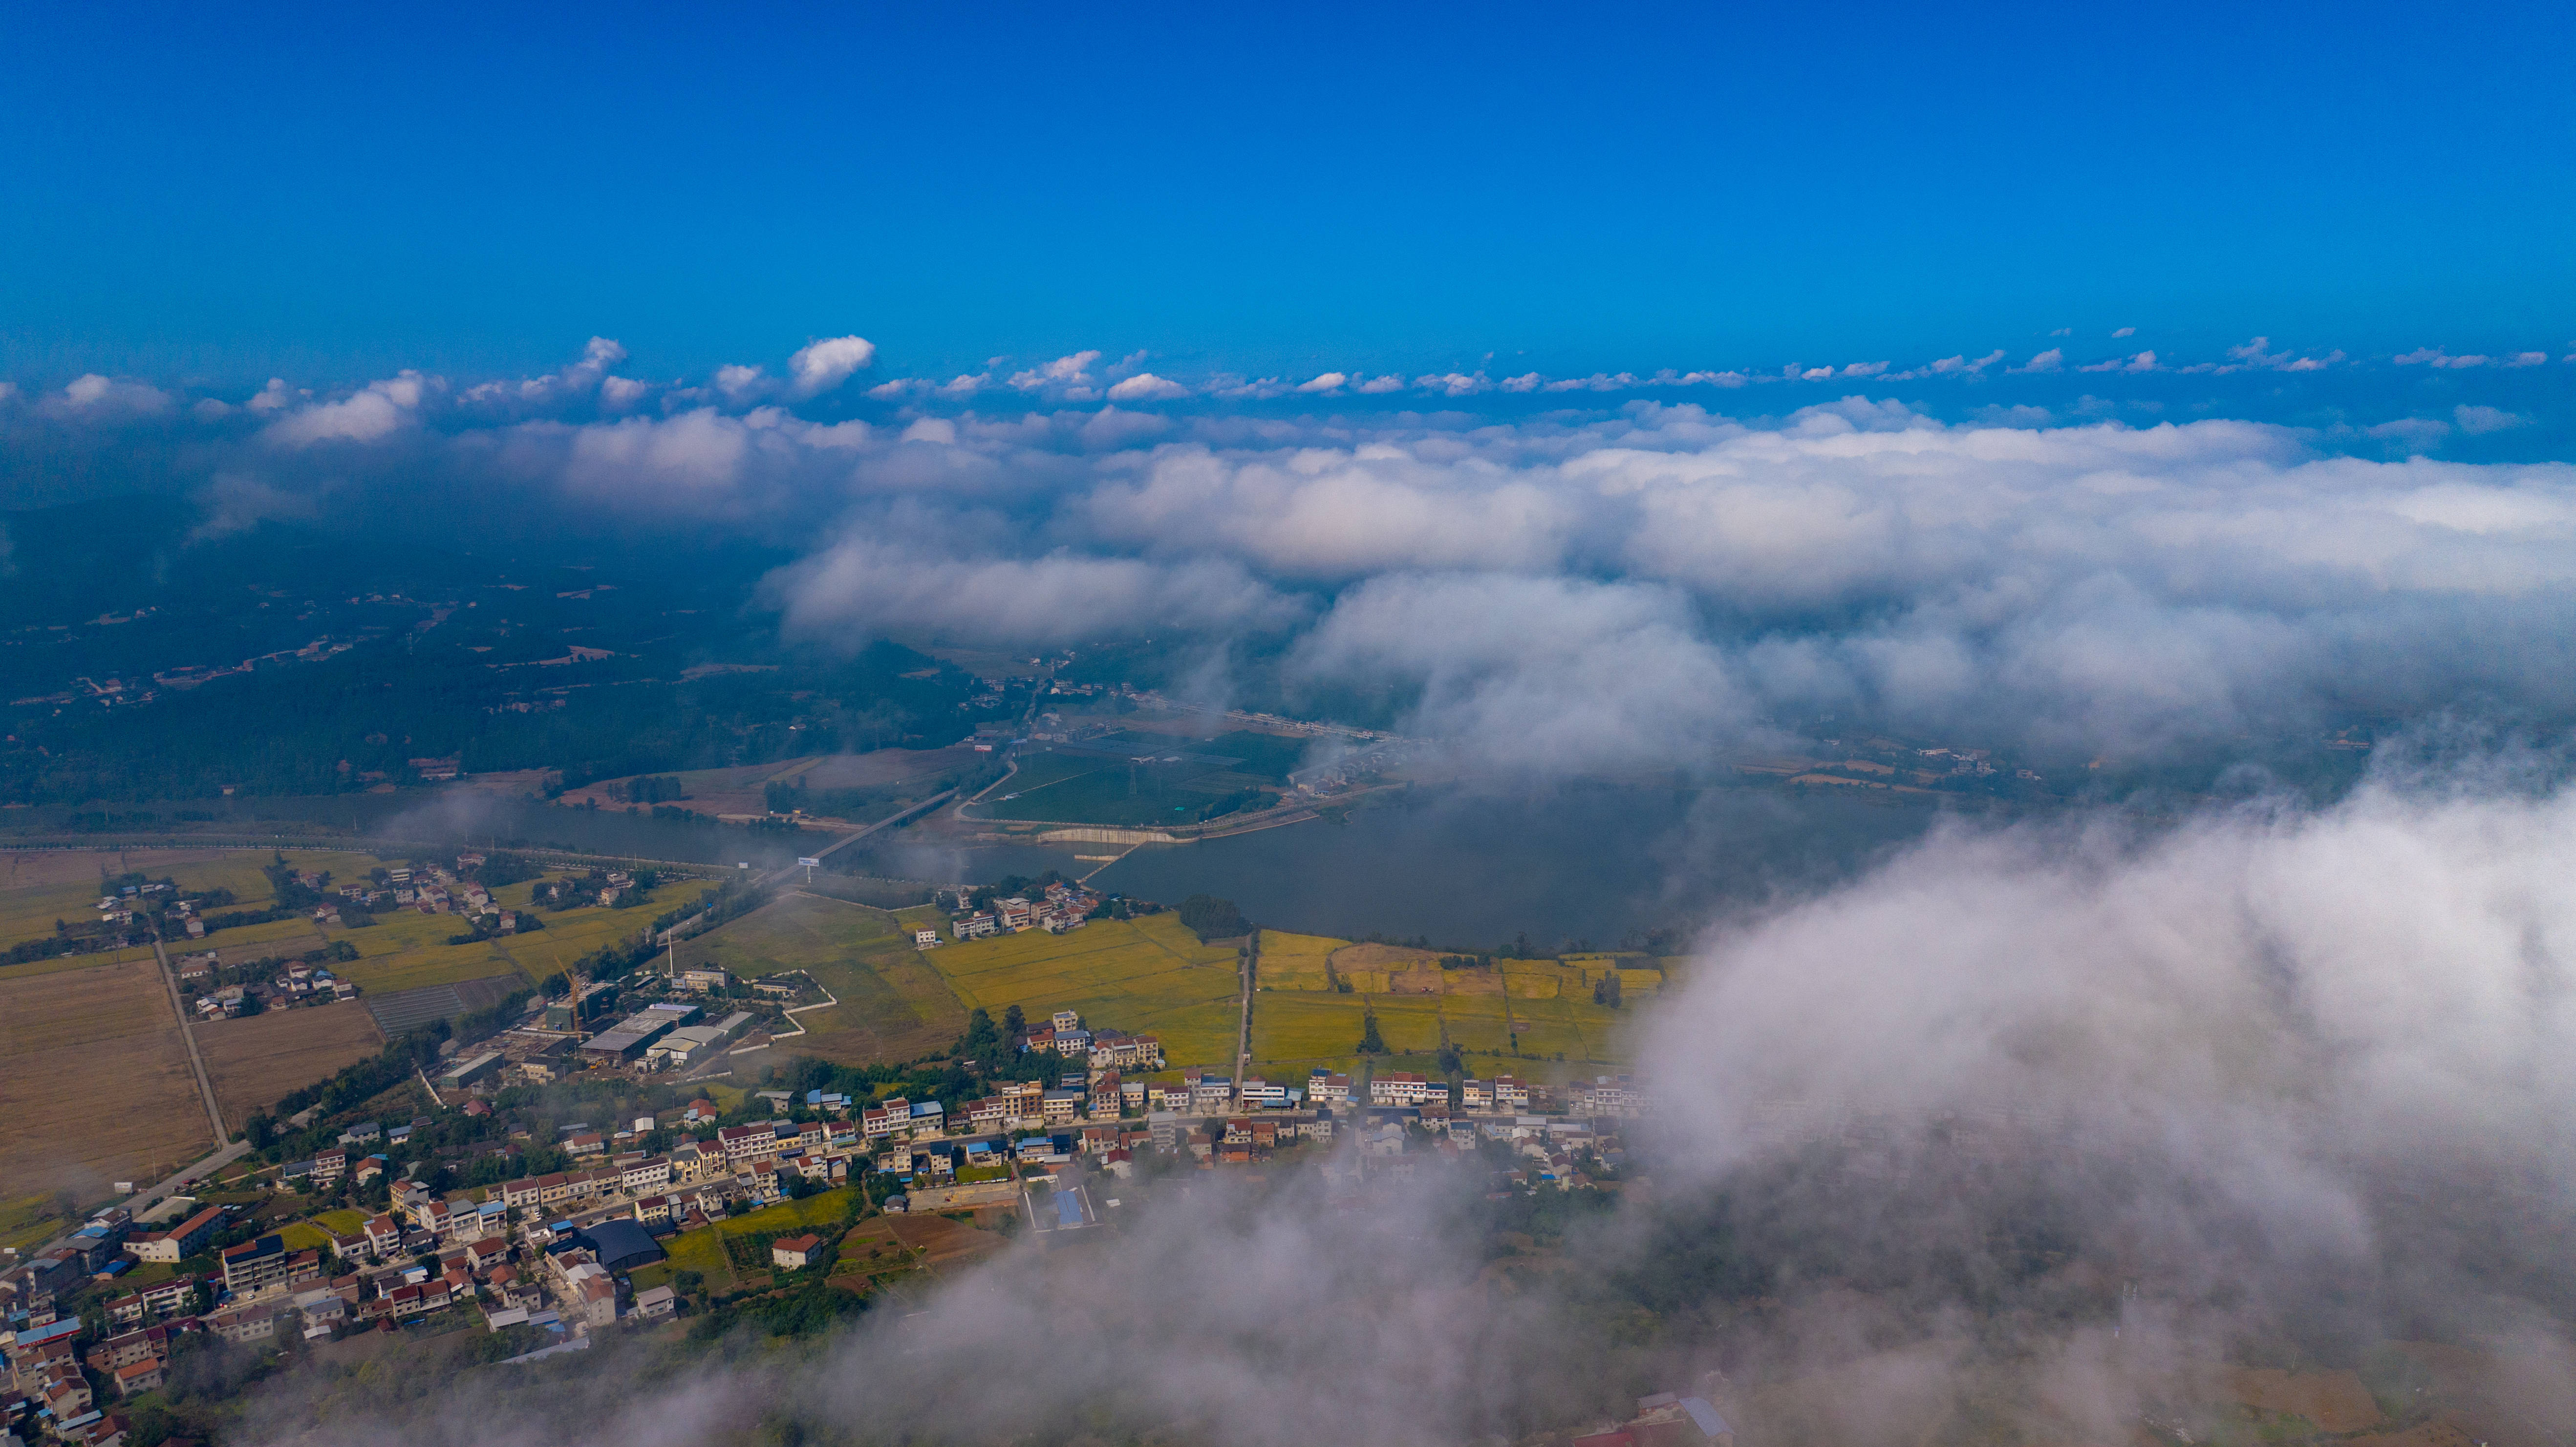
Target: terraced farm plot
{"x": 893, "y": 1004}
{"x": 1144, "y": 976}
{"x": 94, "y": 1079}
{"x": 255, "y": 1060}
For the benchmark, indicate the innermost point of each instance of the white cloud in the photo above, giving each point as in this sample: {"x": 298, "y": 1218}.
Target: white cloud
{"x": 689, "y": 455}
{"x": 820, "y": 366}
{"x": 275, "y": 397}
{"x": 2477, "y": 421}
{"x": 95, "y": 398}
{"x": 2051, "y": 360}
{"x": 383, "y": 409}
{"x": 739, "y": 383}
{"x": 1864, "y": 369}
{"x": 1325, "y": 382}
{"x": 1545, "y": 673}
{"x": 865, "y": 586}
{"x": 1597, "y": 382}
{"x": 2526, "y": 359}
{"x": 1146, "y": 387}
{"x": 617, "y": 394}
{"x": 1072, "y": 371}
{"x": 2124, "y": 332}
{"x": 236, "y": 502}
{"x": 1377, "y": 386}
{"x": 1526, "y": 382}
{"x": 2434, "y": 357}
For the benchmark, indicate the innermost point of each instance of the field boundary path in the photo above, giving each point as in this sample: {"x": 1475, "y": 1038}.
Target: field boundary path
{"x": 196, "y": 1061}
{"x": 1243, "y": 1028}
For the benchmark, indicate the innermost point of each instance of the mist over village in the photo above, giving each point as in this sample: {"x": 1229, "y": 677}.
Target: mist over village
{"x": 1667, "y": 728}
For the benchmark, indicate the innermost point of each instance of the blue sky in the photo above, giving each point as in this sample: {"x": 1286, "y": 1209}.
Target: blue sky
{"x": 332, "y": 193}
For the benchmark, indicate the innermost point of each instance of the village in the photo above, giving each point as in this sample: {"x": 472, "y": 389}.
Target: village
{"x": 371, "y": 1232}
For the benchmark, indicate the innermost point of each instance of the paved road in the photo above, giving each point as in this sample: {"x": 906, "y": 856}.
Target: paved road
{"x": 196, "y": 1062}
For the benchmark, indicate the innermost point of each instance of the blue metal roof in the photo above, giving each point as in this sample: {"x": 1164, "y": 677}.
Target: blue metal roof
{"x": 1710, "y": 1424}
{"x": 1068, "y": 1209}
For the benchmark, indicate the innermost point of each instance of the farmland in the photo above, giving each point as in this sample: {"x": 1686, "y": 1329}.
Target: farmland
{"x": 94, "y": 1079}
{"x": 894, "y": 1006}
{"x": 256, "y": 1059}
{"x": 877, "y": 1247}
{"x": 1544, "y": 1006}
{"x": 1148, "y": 976}
{"x": 403, "y": 949}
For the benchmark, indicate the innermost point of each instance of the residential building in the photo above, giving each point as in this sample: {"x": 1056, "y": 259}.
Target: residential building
{"x": 1511, "y": 1095}
{"x": 168, "y": 1298}
{"x": 255, "y": 1268}
{"x": 183, "y": 1240}
{"x": 795, "y": 1252}
{"x": 1059, "y": 1107}
{"x": 1105, "y": 1097}
{"x": 1400, "y": 1087}
{"x": 1325, "y": 1088}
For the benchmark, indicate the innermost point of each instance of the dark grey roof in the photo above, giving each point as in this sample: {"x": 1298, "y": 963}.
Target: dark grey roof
{"x": 621, "y": 1244}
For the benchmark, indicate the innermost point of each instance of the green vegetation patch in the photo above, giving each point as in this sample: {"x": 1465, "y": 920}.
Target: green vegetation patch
{"x": 1144, "y": 976}
{"x": 893, "y": 1005}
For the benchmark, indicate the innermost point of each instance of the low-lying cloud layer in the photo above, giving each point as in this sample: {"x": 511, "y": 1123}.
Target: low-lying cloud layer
{"x": 1657, "y": 580}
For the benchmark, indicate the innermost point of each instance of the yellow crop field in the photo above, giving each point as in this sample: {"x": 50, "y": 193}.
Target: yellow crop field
{"x": 1144, "y": 976}
{"x": 1293, "y": 1030}
{"x": 346, "y": 1223}
{"x": 1296, "y": 962}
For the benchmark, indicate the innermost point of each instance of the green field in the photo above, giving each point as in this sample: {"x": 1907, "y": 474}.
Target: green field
{"x": 1104, "y": 789}
{"x": 893, "y": 1005}
{"x": 405, "y": 949}
{"x": 28, "y": 1221}
{"x": 1145, "y": 976}
{"x": 703, "y": 1252}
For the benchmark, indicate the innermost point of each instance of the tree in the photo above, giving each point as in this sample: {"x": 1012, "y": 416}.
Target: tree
{"x": 1371, "y": 1043}
{"x": 1014, "y": 1022}
{"x": 1211, "y": 918}
{"x": 1605, "y": 991}
{"x": 1451, "y": 1062}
